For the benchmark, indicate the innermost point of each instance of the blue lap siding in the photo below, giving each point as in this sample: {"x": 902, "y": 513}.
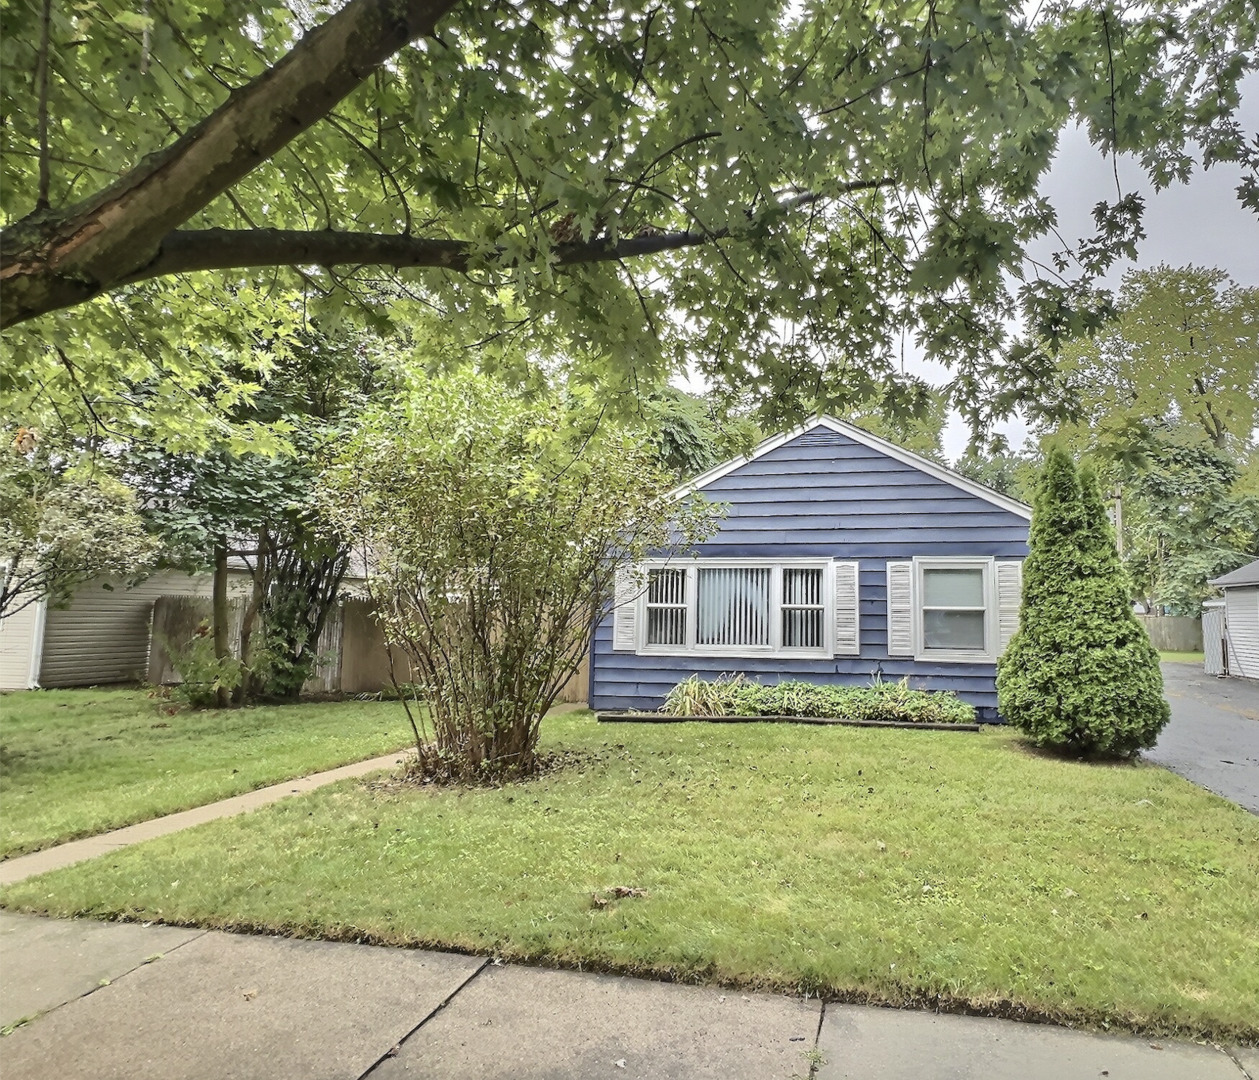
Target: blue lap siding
{"x": 823, "y": 494}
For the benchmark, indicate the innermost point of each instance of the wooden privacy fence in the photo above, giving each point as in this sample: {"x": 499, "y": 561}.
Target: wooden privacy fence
{"x": 177, "y": 619}
{"x": 352, "y": 652}
{"x": 1173, "y": 633}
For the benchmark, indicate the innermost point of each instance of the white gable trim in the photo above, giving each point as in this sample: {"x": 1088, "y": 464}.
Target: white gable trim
{"x": 897, "y": 453}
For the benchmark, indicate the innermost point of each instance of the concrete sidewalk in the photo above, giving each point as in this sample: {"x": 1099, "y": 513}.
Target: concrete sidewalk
{"x": 116, "y": 1000}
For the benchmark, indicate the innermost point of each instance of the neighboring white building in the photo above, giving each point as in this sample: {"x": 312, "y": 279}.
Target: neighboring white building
{"x": 1241, "y": 620}
{"x": 101, "y": 636}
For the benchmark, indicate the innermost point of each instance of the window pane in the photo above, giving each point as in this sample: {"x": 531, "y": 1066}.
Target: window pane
{"x": 953, "y": 588}
{"x": 666, "y": 587}
{"x": 802, "y": 628}
{"x": 666, "y": 626}
{"x": 733, "y": 606}
{"x": 953, "y": 630}
{"x": 802, "y": 587}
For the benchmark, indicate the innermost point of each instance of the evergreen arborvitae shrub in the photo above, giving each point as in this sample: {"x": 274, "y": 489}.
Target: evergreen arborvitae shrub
{"x": 1080, "y": 674}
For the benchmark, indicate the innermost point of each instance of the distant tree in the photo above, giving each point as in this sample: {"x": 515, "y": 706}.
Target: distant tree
{"x": 64, "y": 520}
{"x": 493, "y": 528}
{"x": 1188, "y": 517}
{"x": 223, "y": 506}
{"x": 691, "y": 434}
{"x": 910, "y": 414}
{"x": 1011, "y": 472}
{"x": 1080, "y": 674}
{"x": 1182, "y": 350}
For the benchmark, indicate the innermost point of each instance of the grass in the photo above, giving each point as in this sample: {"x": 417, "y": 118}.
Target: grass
{"x": 955, "y": 870}
{"x": 1181, "y": 657}
{"x": 79, "y": 762}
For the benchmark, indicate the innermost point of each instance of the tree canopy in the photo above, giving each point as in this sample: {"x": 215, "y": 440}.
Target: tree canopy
{"x": 64, "y": 520}
{"x": 1183, "y": 350}
{"x": 775, "y": 191}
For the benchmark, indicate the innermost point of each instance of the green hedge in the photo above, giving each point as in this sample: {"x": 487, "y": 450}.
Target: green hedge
{"x": 881, "y": 701}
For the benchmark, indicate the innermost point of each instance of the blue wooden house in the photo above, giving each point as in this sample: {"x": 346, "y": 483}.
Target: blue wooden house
{"x": 842, "y": 557}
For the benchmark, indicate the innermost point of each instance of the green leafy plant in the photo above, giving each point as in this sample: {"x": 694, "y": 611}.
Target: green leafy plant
{"x": 495, "y": 527}
{"x": 696, "y": 697}
{"x": 1081, "y": 674}
{"x": 732, "y": 695}
{"x": 205, "y": 678}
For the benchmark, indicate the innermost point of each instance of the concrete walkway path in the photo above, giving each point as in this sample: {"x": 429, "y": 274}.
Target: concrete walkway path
{"x": 40, "y": 862}
{"x": 104, "y": 1000}
{"x": 1213, "y": 736}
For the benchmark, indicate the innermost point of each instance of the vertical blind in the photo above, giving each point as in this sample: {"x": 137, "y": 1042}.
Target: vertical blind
{"x": 803, "y": 609}
{"x": 733, "y": 606}
{"x": 666, "y": 607}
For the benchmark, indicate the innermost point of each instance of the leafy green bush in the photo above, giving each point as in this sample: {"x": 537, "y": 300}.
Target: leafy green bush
{"x": 894, "y": 701}
{"x": 1081, "y": 674}
{"x": 203, "y": 674}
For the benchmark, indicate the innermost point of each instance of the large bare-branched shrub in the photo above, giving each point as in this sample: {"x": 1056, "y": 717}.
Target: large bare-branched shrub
{"x": 493, "y": 528}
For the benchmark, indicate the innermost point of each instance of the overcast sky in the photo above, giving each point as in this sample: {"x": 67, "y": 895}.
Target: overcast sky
{"x": 1200, "y": 223}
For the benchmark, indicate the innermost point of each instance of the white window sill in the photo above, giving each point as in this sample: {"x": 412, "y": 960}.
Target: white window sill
{"x": 727, "y": 651}
{"x": 955, "y": 656}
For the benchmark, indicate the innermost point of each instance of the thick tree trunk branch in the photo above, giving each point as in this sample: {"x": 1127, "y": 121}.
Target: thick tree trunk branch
{"x": 228, "y": 249}
{"x": 54, "y": 260}
{"x": 189, "y": 250}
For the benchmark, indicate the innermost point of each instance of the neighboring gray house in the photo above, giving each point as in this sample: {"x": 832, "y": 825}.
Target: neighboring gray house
{"x": 1240, "y": 652}
{"x": 101, "y": 636}
{"x": 842, "y": 557}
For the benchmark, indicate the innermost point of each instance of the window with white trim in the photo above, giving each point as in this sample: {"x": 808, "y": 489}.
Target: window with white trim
{"x": 735, "y": 607}
{"x": 803, "y": 608}
{"x": 954, "y": 609}
{"x": 666, "y": 607}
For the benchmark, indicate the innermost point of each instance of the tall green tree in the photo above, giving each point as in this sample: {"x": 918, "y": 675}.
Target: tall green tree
{"x": 1163, "y": 401}
{"x": 1183, "y": 350}
{"x": 1080, "y": 674}
{"x": 221, "y": 507}
{"x": 769, "y": 189}
{"x": 1188, "y": 516}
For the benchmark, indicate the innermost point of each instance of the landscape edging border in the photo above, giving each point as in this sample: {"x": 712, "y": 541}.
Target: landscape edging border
{"x": 664, "y": 718}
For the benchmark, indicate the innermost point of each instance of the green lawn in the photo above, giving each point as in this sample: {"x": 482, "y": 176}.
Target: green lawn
{"x": 897, "y": 866}
{"x": 1182, "y": 657}
{"x": 78, "y": 762}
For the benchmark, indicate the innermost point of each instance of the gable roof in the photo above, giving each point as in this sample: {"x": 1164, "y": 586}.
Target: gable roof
{"x": 860, "y": 435}
{"x": 1243, "y": 575}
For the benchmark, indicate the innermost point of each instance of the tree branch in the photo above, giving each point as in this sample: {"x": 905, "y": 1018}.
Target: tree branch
{"x": 55, "y": 260}
{"x": 190, "y": 250}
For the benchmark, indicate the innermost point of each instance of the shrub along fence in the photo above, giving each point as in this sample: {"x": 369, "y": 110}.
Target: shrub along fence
{"x": 178, "y": 619}
{"x": 354, "y": 659}
{"x": 1173, "y": 633}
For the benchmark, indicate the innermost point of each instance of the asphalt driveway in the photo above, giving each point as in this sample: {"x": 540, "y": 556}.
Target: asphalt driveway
{"x": 1213, "y": 736}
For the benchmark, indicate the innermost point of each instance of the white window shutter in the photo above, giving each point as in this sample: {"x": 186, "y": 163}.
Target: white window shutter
{"x": 625, "y": 610}
{"x": 900, "y": 609}
{"x": 1009, "y": 598}
{"x": 847, "y": 609}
